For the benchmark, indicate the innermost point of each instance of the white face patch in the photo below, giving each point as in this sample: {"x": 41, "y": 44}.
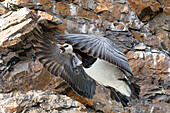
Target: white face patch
{"x": 68, "y": 48}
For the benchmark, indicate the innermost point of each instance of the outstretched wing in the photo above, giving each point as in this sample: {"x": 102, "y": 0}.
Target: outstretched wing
{"x": 61, "y": 64}
{"x": 99, "y": 47}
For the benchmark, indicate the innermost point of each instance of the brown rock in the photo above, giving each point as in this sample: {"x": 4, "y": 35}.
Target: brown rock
{"x": 160, "y": 107}
{"x": 133, "y": 21}
{"x": 11, "y": 29}
{"x": 30, "y": 75}
{"x": 149, "y": 69}
{"x": 54, "y": 21}
{"x": 153, "y": 62}
{"x": 63, "y": 8}
{"x": 86, "y": 4}
{"x": 106, "y": 15}
{"x": 7, "y": 58}
{"x": 120, "y": 11}
{"x": 38, "y": 101}
{"x": 45, "y": 15}
{"x": 118, "y": 26}
{"x": 83, "y": 26}
{"x": 165, "y": 5}
{"x": 47, "y": 4}
{"x": 103, "y": 5}
{"x": 155, "y": 33}
{"x": 85, "y": 14}
{"x": 167, "y": 10}
{"x": 84, "y": 101}
{"x": 145, "y": 9}
{"x": 17, "y": 4}
{"x": 165, "y": 42}
{"x": 148, "y": 89}
{"x": 2, "y": 9}
{"x": 103, "y": 102}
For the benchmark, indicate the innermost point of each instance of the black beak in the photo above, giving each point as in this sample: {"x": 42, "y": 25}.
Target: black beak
{"x": 62, "y": 49}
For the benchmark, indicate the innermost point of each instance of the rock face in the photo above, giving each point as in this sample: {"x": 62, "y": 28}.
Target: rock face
{"x": 38, "y": 102}
{"x": 139, "y": 28}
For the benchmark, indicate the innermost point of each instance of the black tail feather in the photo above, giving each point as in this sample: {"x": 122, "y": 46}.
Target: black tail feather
{"x": 135, "y": 89}
{"x": 119, "y": 97}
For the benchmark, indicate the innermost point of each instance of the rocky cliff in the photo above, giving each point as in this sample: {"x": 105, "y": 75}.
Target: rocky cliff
{"x": 139, "y": 27}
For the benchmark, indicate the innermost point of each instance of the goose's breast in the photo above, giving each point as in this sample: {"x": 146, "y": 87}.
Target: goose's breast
{"x": 103, "y": 72}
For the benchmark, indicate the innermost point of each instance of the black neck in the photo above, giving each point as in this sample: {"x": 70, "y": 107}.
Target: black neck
{"x": 87, "y": 61}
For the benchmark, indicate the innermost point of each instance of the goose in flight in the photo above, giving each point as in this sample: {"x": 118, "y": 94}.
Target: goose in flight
{"x": 103, "y": 61}
{"x": 83, "y": 59}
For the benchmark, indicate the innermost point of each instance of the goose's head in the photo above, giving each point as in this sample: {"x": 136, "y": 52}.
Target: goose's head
{"x": 66, "y": 48}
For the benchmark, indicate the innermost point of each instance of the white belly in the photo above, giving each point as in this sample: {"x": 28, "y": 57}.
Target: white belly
{"x": 107, "y": 74}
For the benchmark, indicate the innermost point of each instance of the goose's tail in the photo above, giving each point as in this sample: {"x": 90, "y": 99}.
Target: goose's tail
{"x": 135, "y": 89}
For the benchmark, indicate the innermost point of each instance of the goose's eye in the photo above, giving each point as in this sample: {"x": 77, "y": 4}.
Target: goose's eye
{"x": 65, "y": 46}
